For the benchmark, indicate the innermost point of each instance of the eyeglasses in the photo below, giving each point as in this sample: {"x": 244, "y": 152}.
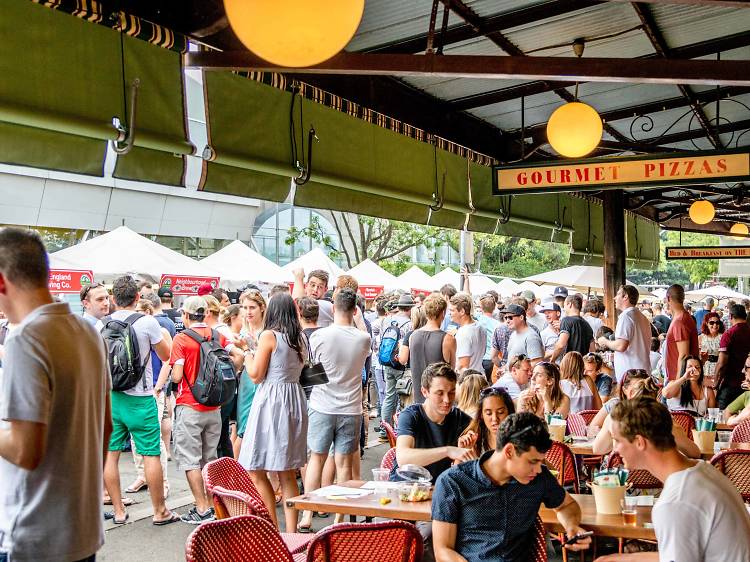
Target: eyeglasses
{"x": 88, "y": 288}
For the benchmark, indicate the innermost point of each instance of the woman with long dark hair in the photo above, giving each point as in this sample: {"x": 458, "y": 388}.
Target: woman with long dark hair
{"x": 495, "y": 404}
{"x": 277, "y": 427}
{"x": 687, "y": 392}
{"x": 544, "y": 396}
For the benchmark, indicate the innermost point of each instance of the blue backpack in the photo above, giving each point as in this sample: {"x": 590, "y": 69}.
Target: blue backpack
{"x": 388, "y": 352}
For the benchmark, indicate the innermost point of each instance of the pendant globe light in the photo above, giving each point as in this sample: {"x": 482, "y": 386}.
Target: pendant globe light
{"x": 575, "y": 129}
{"x": 294, "y": 33}
{"x": 739, "y": 230}
{"x": 702, "y": 211}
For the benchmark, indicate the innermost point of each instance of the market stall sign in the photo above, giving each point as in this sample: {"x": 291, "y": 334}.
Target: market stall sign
{"x": 371, "y": 291}
{"x": 186, "y": 284}
{"x": 598, "y": 173}
{"x": 69, "y": 280}
{"x": 708, "y": 252}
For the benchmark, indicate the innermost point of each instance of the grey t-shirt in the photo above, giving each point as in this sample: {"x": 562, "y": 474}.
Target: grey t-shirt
{"x": 55, "y": 373}
{"x": 528, "y": 343}
{"x": 325, "y": 313}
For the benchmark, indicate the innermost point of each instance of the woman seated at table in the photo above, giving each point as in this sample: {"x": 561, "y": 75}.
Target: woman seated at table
{"x": 470, "y": 385}
{"x": 635, "y": 383}
{"x": 578, "y": 386}
{"x": 495, "y": 404}
{"x": 687, "y": 392}
{"x": 544, "y": 396}
{"x": 603, "y": 376}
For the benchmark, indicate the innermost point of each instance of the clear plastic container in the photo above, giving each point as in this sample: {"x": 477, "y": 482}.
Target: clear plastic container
{"x": 416, "y": 486}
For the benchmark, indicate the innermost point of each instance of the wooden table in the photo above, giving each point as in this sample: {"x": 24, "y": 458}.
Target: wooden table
{"x": 582, "y": 447}
{"x": 369, "y": 506}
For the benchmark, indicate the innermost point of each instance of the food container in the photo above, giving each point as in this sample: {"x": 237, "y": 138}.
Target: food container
{"x": 705, "y": 440}
{"x": 607, "y": 498}
{"x": 557, "y": 430}
{"x": 416, "y": 483}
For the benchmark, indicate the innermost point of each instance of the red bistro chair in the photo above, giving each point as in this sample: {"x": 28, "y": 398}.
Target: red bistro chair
{"x": 390, "y": 541}
{"x": 735, "y": 465}
{"x": 389, "y": 459}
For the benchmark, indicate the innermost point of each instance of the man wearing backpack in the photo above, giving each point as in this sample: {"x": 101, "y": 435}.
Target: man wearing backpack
{"x": 197, "y": 367}
{"x": 392, "y": 331}
{"x": 130, "y": 337}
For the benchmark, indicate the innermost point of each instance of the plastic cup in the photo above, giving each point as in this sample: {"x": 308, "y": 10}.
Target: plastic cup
{"x": 380, "y": 477}
{"x": 628, "y": 508}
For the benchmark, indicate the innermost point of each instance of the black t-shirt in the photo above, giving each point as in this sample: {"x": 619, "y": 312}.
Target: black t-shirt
{"x": 176, "y": 317}
{"x": 427, "y": 434}
{"x": 662, "y": 321}
{"x": 579, "y": 332}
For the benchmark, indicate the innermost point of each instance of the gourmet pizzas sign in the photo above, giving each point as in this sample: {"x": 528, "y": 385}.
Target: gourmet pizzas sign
{"x": 186, "y": 285}
{"x": 615, "y": 173}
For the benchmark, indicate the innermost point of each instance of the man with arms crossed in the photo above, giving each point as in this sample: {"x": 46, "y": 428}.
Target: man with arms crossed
{"x": 54, "y": 416}
{"x": 486, "y": 509}
{"x": 699, "y": 516}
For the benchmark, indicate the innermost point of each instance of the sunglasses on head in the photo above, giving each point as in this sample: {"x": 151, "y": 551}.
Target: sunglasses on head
{"x": 519, "y": 359}
{"x": 90, "y": 288}
{"x": 491, "y": 391}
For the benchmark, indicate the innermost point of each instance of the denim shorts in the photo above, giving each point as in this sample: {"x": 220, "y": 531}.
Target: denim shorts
{"x": 325, "y": 430}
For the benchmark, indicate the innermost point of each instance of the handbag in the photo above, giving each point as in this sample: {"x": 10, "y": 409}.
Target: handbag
{"x": 313, "y": 373}
{"x": 404, "y": 384}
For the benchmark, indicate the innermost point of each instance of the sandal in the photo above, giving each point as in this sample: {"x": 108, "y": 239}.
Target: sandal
{"x": 125, "y": 501}
{"x": 136, "y": 486}
{"x": 173, "y": 518}
{"x": 304, "y": 528}
{"x": 117, "y": 521}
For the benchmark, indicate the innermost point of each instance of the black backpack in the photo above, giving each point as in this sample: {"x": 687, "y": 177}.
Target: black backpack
{"x": 125, "y": 364}
{"x": 216, "y": 380}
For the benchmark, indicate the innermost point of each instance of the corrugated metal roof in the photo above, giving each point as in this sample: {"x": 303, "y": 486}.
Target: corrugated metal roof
{"x": 683, "y": 24}
{"x": 388, "y": 21}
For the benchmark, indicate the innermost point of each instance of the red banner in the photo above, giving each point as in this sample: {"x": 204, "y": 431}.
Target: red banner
{"x": 69, "y": 280}
{"x": 371, "y": 291}
{"x": 422, "y": 292}
{"x": 186, "y": 284}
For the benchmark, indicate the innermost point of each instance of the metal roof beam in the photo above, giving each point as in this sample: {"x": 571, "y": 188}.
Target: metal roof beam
{"x": 497, "y": 22}
{"x": 712, "y": 3}
{"x": 659, "y": 43}
{"x": 695, "y": 50}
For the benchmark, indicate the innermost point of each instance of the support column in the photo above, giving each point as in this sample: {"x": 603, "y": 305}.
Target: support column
{"x": 614, "y": 250}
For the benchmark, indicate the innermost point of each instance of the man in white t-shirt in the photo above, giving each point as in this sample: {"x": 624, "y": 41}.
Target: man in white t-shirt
{"x": 632, "y": 344}
{"x": 134, "y": 411}
{"x": 54, "y": 415}
{"x": 516, "y": 377}
{"x": 700, "y": 515}
{"x": 533, "y": 318}
{"x": 316, "y": 287}
{"x": 335, "y": 408}
{"x": 471, "y": 339}
{"x": 551, "y": 333}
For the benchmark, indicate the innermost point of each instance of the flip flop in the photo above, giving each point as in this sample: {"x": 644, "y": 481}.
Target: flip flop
{"x": 304, "y": 528}
{"x": 109, "y": 515}
{"x": 117, "y": 521}
{"x": 173, "y": 518}
{"x": 125, "y": 501}
{"x": 136, "y": 489}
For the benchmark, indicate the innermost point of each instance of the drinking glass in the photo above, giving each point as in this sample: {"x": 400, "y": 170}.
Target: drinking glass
{"x": 629, "y": 510}
{"x": 380, "y": 477}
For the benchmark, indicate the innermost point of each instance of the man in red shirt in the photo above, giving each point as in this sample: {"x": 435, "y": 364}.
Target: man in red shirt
{"x": 682, "y": 336}
{"x": 196, "y": 427}
{"x": 734, "y": 348}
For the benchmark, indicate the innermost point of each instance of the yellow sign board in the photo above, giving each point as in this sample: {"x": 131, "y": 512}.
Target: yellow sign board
{"x": 680, "y": 169}
{"x": 708, "y": 252}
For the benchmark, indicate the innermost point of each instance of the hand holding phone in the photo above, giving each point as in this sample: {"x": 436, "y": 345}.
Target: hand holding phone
{"x": 578, "y": 537}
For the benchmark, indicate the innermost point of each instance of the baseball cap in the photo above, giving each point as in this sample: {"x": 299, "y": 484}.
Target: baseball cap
{"x": 560, "y": 292}
{"x": 194, "y": 305}
{"x": 513, "y": 310}
{"x": 165, "y": 292}
{"x": 550, "y": 305}
{"x": 205, "y": 289}
{"x": 528, "y": 295}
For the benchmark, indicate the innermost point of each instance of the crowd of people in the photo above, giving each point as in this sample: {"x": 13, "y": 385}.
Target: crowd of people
{"x": 470, "y": 384}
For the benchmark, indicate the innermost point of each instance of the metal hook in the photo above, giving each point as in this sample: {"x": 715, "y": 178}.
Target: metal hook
{"x": 126, "y": 136}
{"x": 305, "y": 173}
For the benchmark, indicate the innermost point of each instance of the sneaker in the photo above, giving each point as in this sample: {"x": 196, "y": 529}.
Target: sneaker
{"x": 194, "y": 518}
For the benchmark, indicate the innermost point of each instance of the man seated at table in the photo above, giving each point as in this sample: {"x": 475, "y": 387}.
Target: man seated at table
{"x": 699, "y": 515}
{"x": 486, "y": 509}
{"x": 428, "y": 433}
{"x": 739, "y": 410}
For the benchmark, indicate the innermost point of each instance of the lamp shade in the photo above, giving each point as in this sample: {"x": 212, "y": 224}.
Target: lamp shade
{"x": 702, "y": 211}
{"x": 739, "y": 230}
{"x": 294, "y": 33}
{"x": 574, "y": 129}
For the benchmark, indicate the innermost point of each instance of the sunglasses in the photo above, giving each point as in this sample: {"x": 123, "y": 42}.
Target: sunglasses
{"x": 491, "y": 391}
{"x": 88, "y": 289}
{"x": 519, "y": 359}
{"x": 713, "y": 323}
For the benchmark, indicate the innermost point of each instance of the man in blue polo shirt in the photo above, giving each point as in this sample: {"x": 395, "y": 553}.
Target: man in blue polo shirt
{"x": 485, "y": 509}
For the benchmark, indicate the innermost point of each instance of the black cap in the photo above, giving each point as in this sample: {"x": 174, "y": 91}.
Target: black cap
{"x": 513, "y": 310}
{"x": 560, "y": 292}
{"x": 165, "y": 292}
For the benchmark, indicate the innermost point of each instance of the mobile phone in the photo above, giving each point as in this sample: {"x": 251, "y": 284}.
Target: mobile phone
{"x": 575, "y": 538}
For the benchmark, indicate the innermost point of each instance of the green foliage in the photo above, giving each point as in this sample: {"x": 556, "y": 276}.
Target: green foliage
{"x": 517, "y": 257}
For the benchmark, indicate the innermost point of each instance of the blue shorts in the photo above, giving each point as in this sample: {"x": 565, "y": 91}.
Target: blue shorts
{"x": 341, "y": 431}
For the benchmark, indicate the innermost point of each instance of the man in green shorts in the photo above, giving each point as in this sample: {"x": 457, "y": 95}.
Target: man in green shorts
{"x": 134, "y": 411}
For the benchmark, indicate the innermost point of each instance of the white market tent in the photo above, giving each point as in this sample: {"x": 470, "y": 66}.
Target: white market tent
{"x": 507, "y": 287}
{"x": 582, "y": 277}
{"x": 315, "y": 259}
{"x": 415, "y": 278}
{"x": 238, "y": 265}
{"x": 718, "y": 292}
{"x": 479, "y": 284}
{"x": 123, "y": 251}
{"x": 447, "y": 277}
{"x": 370, "y": 274}
{"x": 540, "y": 291}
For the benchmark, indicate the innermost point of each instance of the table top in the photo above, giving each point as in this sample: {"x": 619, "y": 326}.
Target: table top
{"x": 369, "y": 506}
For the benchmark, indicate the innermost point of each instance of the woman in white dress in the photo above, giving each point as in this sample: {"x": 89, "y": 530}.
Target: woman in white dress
{"x": 709, "y": 339}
